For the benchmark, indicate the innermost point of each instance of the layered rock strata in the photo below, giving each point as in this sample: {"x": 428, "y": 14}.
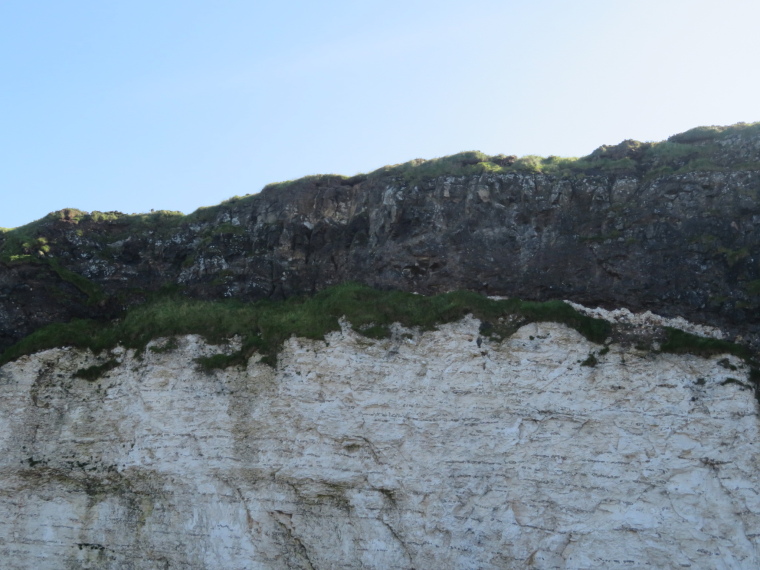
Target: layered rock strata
{"x": 434, "y": 450}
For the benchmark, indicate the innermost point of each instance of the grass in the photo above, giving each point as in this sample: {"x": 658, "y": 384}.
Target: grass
{"x": 590, "y": 361}
{"x": 92, "y": 373}
{"x": 711, "y": 133}
{"x": 264, "y": 325}
{"x": 753, "y": 287}
{"x": 676, "y": 155}
{"x": 92, "y": 290}
{"x": 227, "y": 228}
{"x": 475, "y": 163}
{"x": 29, "y": 241}
{"x": 733, "y": 256}
{"x": 680, "y": 342}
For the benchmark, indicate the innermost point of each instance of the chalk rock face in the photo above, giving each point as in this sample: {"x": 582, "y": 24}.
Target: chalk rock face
{"x": 434, "y": 450}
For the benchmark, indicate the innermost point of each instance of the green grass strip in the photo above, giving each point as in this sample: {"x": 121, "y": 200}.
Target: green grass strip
{"x": 680, "y": 342}
{"x": 264, "y": 325}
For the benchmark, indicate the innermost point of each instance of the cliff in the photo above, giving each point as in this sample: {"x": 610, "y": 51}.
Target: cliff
{"x": 208, "y": 391}
{"x": 425, "y": 450}
{"x": 671, "y": 227}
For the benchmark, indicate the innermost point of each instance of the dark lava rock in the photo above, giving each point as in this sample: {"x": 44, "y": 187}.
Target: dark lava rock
{"x": 677, "y": 244}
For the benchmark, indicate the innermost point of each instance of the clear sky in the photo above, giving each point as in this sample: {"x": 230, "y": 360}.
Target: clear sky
{"x": 134, "y": 105}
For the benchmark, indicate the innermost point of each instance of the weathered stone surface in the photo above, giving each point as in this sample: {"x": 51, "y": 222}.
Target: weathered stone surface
{"x": 422, "y": 451}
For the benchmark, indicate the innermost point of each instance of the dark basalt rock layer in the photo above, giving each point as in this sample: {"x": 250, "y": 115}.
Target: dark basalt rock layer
{"x": 685, "y": 243}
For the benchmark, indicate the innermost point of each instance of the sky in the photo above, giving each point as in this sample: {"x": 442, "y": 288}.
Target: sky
{"x": 133, "y": 105}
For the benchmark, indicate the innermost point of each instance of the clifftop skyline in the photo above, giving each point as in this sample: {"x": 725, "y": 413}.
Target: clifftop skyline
{"x": 134, "y": 106}
{"x": 703, "y": 148}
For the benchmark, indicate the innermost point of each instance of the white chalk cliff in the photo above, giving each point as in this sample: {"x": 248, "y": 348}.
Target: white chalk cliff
{"x": 427, "y": 451}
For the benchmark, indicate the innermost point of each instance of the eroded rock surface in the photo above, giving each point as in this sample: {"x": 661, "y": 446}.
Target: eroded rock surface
{"x": 434, "y": 450}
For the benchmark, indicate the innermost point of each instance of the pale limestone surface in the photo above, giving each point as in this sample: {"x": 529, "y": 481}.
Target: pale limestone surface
{"x": 421, "y": 452}
{"x": 647, "y": 320}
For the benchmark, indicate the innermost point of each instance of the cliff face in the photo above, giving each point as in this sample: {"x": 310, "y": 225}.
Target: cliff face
{"x": 681, "y": 244}
{"x": 434, "y": 450}
{"x": 442, "y": 449}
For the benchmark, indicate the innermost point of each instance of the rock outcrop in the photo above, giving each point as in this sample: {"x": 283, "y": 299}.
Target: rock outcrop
{"x": 426, "y": 450}
{"x": 661, "y": 231}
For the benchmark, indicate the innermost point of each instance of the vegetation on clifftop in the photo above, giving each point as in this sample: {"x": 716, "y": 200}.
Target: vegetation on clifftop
{"x": 30, "y": 242}
{"x": 700, "y": 149}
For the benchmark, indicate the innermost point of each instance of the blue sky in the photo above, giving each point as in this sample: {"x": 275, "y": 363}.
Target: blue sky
{"x": 136, "y": 105}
